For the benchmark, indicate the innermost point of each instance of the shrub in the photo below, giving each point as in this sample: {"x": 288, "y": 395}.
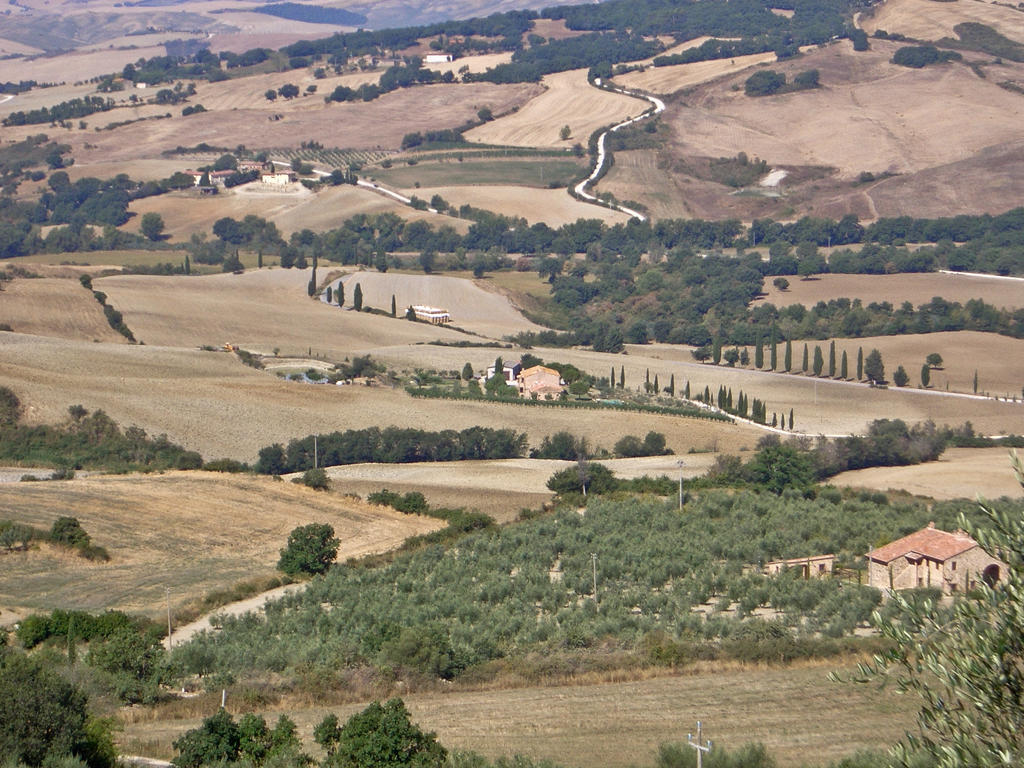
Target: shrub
{"x": 311, "y": 549}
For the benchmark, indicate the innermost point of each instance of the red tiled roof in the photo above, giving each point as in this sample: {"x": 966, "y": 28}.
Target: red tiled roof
{"x": 930, "y": 542}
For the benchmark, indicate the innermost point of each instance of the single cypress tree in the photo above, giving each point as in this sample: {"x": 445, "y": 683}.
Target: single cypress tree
{"x": 789, "y": 356}
{"x": 773, "y": 343}
{"x": 926, "y": 375}
{"x": 819, "y": 361}
{"x": 782, "y": 421}
{"x": 790, "y": 419}
{"x": 832, "y": 359}
{"x": 806, "y": 360}
{"x": 860, "y": 363}
{"x": 647, "y": 381}
{"x": 611, "y": 378}
{"x": 975, "y": 381}
{"x": 340, "y": 294}
{"x": 394, "y": 307}
{"x": 357, "y": 298}
{"x": 259, "y": 259}
{"x": 728, "y": 399}
{"x": 844, "y": 368}
{"x": 656, "y": 390}
{"x": 759, "y": 353}
{"x": 330, "y": 294}
{"x": 622, "y": 377}
{"x": 707, "y": 395}
{"x": 672, "y": 385}
{"x": 716, "y": 352}
{"x": 686, "y": 390}
{"x": 410, "y": 313}
{"x": 188, "y": 265}
{"x": 775, "y": 419}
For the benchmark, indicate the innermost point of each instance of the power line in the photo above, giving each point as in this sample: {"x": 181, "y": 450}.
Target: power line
{"x": 701, "y": 748}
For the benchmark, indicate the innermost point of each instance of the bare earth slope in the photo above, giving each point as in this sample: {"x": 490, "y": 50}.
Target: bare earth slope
{"x": 55, "y": 307}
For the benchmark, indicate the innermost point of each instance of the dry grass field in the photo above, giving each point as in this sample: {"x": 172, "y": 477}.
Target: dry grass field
{"x": 960, "y": 473}
{"x": 554, "y": 207}
{"x": 566, "y": 100}
{"x": 479, "y": 63}
{"x": 191, "y": 532}
{"x": 373, "y": 125}
{"x": 795, "y": 711}
{"x": 291, "y": 209}
{"x": 916, "y": 288}
{"x": 55, "y": 307}
{"x": 929, "y": 20}
{"x": 678, "y": 76}
{"x": 472, "y": 307}
{"x": 869, "y": 115}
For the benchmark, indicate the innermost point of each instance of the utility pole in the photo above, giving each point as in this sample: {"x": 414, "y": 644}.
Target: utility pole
{"x": 701, "y": 748}
{"x": 593, "y": 560}
{"x": 167, "y": 592}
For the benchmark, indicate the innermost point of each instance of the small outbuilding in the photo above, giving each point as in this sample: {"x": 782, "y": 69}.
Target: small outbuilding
{"x": 952, "y": 562}
{"x": 432, "y": 315}
{"x": 813, "y": 567}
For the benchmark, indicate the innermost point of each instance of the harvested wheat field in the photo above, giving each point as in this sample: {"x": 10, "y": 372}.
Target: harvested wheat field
{"x": 378, "y": 124}
{"x": 191, "y": 532}
{"x": 930, "y": 20}
{"x": 554, "y": 207}
{"x": 795, "y": 711}
{"x": 55, "y": 307}
{"x": 291, "y": 209}
{"x": 916, "y": 288}
{"x": 675, "y": 77}
{"x": 471, "y": 307}
{"x": 258, "y": 310}
{"x": 869, "y": 114}
{"x": 959, "y": 473}
{"x": 211, "y": 403}
{"x": 567, "y": 100}
{"x": 479, "y": 63}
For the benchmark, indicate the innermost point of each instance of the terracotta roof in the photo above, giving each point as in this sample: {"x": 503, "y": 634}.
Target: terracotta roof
{"x": 931, "y": 542}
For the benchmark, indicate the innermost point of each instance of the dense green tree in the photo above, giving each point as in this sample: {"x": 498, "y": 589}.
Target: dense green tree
{"x": 467, "y": 372}
{"x": 152, "y": 226}
{"x": 381, "y": 736}
{"x": 357, "y": 298}
{"x": 716, "y": 352}
{"x": 964, "y": 662}
{"x": 874, "y": 369}
{"x": 758, "y": 353}
{"x": 136, "y": 662}
{"x": 778, "y": 466}
{"x": 926, "y": 375}
{"x": 934, "y": 360}
{"x": 311, "y": 549}
{"x": 44, "y": 718}
{"x": 900, "y": 377}
{"x": 819, "y": 361}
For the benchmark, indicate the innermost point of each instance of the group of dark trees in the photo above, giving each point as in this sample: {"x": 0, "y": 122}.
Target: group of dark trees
{"x": 392, "y": 445}
{"x": 767, "y": 82}
{"x": 86, "y": 441}
{"x": 66, "y": 110}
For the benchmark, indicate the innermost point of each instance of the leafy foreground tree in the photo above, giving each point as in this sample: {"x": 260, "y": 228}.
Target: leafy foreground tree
{"x": 968, "y": 664}
{"x": 43, "y": 718}
{"x": 381, "y": 736}
{"x": 249, "y": 741}
{"x": 311, "y": 549}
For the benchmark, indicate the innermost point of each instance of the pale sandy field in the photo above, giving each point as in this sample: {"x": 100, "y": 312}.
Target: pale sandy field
{"x": 471, "y": 307}
{"x": 795, "y": 711}
{"x": 190, "y": 532}
{"x": 959, "y": 473}
{"x": 499, "y": 488}
{"x": 71, "y": 312}
{"x": 567, "y": 100}
{"x": 869, "y": 115}
{"x": 554, "y": 207}
{"x": 678, "y": 76}
{"x": 916, "y": 288}
{"x": 290, "y": 209}
{"x": 479, "y": 63}
{"x": 929, "y": 20}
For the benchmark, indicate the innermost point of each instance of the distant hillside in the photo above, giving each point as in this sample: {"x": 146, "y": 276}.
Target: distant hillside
{"x": 313, "y": 14}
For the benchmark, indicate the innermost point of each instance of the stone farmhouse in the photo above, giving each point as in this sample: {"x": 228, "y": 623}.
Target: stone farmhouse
{"x": 540, "y": 383}
{"x": 952, "y": 562}
{"x": 511, "y": 373}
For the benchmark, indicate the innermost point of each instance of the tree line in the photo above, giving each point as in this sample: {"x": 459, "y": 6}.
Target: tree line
{"x": 390, "y": 445}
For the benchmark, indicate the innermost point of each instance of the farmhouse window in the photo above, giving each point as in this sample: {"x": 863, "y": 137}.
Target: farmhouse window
{"x": 954, "y": 565}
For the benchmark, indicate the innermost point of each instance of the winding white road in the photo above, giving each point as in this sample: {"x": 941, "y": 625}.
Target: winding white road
{"x": 602, "y": 155}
